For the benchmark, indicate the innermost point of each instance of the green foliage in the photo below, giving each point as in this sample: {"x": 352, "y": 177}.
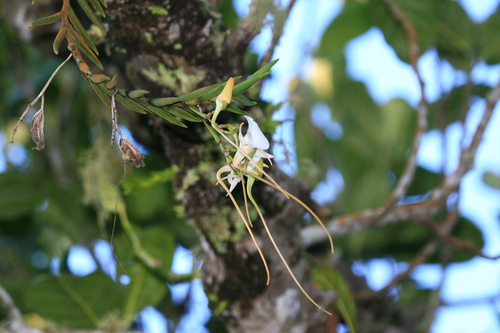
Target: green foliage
{"x": 492, "y": 179}
{"x": 18, "y": 196}
{"x": 77, "y": 302}
{"x": 402, "y": 242}
{"x": 331, "y": 279}
{"x": 50, "y": 207}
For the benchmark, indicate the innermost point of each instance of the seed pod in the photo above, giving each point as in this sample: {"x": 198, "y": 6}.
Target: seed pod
{"x": 131, "y": 155}
{"x": 37, "y": 125}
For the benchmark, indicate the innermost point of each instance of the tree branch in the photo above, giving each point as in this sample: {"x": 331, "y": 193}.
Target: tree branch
{"x": 411, "y": 164}
{"x": 279, "y": 25}
{"x": 15, "y": 320}
{"x": 418, "y": 212}
{"x": 251, "y": 26}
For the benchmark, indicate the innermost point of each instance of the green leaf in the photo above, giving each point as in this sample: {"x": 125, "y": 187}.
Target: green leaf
{"x": 492, "y": 179}
{"x": 213, "y": 93}
{"x": 243, "y": 100}
{"x": 165, "y": 115}
{"x": 76, "y": 302}
{"x": 86, "y": 8}
{"x": 488, "y": 39}
{"x": 47, "y": 20}
{"x": 255, "y": 77}
{"x": 234, "y": 109}
{"x": 86, "y": 49}
{"x": 422, "y": 14}
{"x": 157, "y": 241}
{"x": 80, "y": 30}
{"x": 157, "y": 10}
{"x": 98, "y": 7}
{"x": 331, "y": 279}
{"x": 144, "y": 289}
{"x": 18, "y": 196}
{"x": 380, "y": 243}
{"x": 133, "y": 184}
{"x": 183, "y": 114}
{"x": 192, "y": 97}
{"x": 61, "y": 35}
{"x": 164, "y": 101}
{"x": 354, "y": 20}
{"x": 457, "y": 35}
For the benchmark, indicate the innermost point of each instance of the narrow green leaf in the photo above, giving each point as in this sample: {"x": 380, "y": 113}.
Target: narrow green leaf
{"x": 101, "y": 92}
{"x": 134, "y": 105}
{"x": 81, "y": 31}
{"x": 165, "y": 115}
{"x": 46, "y": 20}
{"x": 82, "y": 46}
{"x": 195, "y": 111}
{"x": 243, "y": 100}
{"x": 234, "y": 109}
{"x": 266, "y": 68}
{"x": 212, "y": 94}
{"x": 144, "y": 289}
{"x": 98, "y": 7}
{"x": 331, "y": 279}
{"x": 86, "y": 8}
{"x": 258, "y": 75}
{"x": 164, "y": 101}
{"x": 61, "y": 35}
{"x": 193, "y": 96}
{"x": 183, "y": 114}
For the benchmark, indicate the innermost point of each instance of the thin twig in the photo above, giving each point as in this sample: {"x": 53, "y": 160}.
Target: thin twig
{"x": 14, "y": 131}
{"x": 411, "y": 164}
{"x": 459, "y": 243}
{"x": 428, "y": 249}
{"x": 452, "y": 181}
{"x": 278, "y": 28}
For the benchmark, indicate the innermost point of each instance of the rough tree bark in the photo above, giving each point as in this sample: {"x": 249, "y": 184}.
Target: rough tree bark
{"x": 188, "y": 41}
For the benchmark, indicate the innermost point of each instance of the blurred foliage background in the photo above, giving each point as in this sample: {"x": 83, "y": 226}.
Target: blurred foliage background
{"x": 67, "y": 195}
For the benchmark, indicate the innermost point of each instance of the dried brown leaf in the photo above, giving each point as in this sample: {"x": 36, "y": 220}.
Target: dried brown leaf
{"x": 131, "y": 155}
{"x": 37, "y": 126}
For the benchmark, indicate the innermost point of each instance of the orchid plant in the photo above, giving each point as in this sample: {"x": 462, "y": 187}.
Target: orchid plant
{"x": 247, "y": 166}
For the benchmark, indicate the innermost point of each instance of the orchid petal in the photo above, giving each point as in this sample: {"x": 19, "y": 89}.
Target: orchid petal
{"x": 255, "y": 136}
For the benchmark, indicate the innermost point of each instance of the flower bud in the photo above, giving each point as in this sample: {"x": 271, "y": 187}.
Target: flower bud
{"x": 227, "y": 94}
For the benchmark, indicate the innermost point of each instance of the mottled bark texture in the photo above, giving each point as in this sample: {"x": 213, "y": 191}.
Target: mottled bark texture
{"x": 189, "y": 48}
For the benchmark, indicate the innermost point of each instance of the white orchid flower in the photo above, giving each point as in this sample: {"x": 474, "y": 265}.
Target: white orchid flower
{"x": 233, "y": 180}
{"x": 254, "y": 142}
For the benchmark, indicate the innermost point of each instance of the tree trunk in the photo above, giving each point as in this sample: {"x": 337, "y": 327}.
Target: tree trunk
{"x": 196, "y": 50}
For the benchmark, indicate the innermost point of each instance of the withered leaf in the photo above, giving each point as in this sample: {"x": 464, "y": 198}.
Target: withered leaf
{"x": 37, "y": 125}
{"x": 131, "y": 155}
